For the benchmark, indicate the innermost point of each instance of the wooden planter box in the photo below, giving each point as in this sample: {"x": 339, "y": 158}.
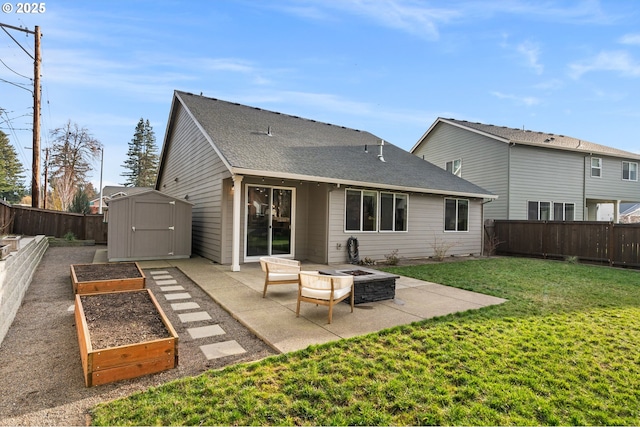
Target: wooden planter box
{"x": 94, "y": 278}
{"x": 12, "y": 242}
{"x": 5, "y": 251}
{"x": 110, "y": 364}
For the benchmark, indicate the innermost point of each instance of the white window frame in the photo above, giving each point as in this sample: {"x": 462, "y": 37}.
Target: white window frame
{"x": 455, "y": 167}
{"x": 396, "y": 196}
{"x": 596, "y": 168}
{"x": 635, "y": 172}
{"x": 378, "y": 210}
{"x": 457, "y": 219}
{"x": 539, "y": 210}
{"x": 564, "y": 211}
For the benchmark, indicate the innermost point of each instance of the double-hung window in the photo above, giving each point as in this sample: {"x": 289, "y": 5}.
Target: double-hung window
{"x": 629, "y": 171}
{"x": 455, "y": 167}
{"x": 596, "y": 167}
{"x": 456, "y": 215}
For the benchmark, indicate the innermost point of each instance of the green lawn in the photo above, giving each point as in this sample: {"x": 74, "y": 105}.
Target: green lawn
{"x": 563, "y": 350}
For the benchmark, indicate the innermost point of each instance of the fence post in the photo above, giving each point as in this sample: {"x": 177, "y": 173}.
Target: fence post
{"x": 611, "y": 247}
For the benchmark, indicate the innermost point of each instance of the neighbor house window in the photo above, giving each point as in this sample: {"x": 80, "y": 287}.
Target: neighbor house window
{"x": 456, "y": 215}
{"x": 361, "y": 210}
{"x": 455, "y": 167}
{"x": 563, "y": 211}
{"x": 596, "y": 167}
{"x": 393, "y": 212}
{"x": 629, "y": 171}
{"x": 539, "y": 211}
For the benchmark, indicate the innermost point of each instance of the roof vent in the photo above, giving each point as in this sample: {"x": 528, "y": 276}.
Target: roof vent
{"x": 380, "y": 156}
{"x": 269, "y": 131}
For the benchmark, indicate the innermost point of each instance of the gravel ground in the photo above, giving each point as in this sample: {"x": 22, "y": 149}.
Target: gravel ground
{"x": 40, "y": 367}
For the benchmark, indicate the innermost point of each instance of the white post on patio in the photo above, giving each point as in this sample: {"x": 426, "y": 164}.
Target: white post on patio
{"x": 237, "y": 212}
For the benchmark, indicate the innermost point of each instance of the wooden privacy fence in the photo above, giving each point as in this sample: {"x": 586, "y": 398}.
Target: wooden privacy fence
{"x": 612, "y": 243}
{"x": 32, "y": 221}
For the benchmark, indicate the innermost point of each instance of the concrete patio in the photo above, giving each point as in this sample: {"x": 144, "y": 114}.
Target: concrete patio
{"x": 273, "y": 318}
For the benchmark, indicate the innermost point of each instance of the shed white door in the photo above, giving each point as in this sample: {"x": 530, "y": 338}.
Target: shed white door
{"x": 152, "y": 229}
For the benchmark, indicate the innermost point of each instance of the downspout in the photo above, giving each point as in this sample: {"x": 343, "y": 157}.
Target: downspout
{"x": 237, "y": 212}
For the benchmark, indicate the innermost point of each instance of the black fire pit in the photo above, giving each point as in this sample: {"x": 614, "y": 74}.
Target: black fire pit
{"x": 369, "y": 285}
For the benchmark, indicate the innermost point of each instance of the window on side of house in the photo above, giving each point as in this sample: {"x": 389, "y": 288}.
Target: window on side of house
{"x": 361, "y": 210}
{"x": 563, "y": 211}
{"x": 456, "y": 215}
{"x": 393, "y": 212}
{"x": 629, "y": 171}
{"x": 596, "y": 167}
{"x": 455, "y": 167}
{"x": 538, "y": 211}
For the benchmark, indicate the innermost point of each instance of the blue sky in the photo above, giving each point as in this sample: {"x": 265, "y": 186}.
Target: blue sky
{"x": 390, "y": 67}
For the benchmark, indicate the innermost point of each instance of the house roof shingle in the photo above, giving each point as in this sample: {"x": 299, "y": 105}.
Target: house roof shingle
{"x": 254, "y": 141}
{"x": 550, "y": 140}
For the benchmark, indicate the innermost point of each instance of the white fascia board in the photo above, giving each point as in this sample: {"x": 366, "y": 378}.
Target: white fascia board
{"x": 345, "y": 182}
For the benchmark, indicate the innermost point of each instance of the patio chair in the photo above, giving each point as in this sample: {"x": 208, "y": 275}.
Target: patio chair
{"x": 324, "y": 289}
{"x": 279, "y": 271}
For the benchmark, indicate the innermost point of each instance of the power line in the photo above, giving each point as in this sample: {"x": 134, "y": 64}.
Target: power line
{"x": 14, "y": 71}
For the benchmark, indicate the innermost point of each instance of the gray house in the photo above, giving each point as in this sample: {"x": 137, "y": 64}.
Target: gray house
{"x": 537, "y": 176}
{"x": 266, "y": 183}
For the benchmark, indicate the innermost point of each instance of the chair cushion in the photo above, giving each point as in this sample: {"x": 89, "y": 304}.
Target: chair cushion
{"x": 283, "y": 276}
{"x": 324, "y": 294}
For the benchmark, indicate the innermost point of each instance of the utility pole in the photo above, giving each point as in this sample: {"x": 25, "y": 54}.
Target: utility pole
{"x": 37, "y": 61}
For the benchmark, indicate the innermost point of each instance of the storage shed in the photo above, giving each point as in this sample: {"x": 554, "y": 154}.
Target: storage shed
{"x": 149, "y": 225}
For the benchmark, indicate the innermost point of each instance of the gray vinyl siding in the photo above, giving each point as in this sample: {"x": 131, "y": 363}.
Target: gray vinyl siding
{"x": 425, "y": 230}
{"x": 601, "y": 188}
{"x": 192, "y": 168}
{"x": 317, "y": 223}
{"x": 546, "y": 175}
{"x": 484, "y": 161}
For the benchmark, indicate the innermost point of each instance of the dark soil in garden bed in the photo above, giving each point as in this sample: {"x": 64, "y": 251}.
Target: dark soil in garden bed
{"x": 122, "y": 318}
{"x": 114, "y": 271}
{"x": 41, "y": 369}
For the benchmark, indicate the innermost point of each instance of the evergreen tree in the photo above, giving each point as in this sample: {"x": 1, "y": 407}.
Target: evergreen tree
{"x": 142, "y": 157}
{"x": 11, "y": 172}
{"x": 80, "y": 202}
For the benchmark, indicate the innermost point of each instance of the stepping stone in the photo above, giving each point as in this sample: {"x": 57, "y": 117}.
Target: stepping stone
{"x": 166, "y": 282}
{"x": 171, "y": 288}
{"x": 159, "y": 272}
{"x": 222, "y": 349}
{"x": 205, "y": 331}
{"x": 163, "y": 277}
{"x": 194, "y": 317}
{"x": 184, "y": 306}
{"x": 181, "y": 295}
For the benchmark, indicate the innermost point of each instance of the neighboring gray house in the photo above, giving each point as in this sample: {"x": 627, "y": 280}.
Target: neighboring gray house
{"x": 536, "y": 175}
{"x": 630, "y": 213}
{"x": 266, "y": 183}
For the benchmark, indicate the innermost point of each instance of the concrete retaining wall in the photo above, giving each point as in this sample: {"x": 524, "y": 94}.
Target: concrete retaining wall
{"x": 15, "y": 276}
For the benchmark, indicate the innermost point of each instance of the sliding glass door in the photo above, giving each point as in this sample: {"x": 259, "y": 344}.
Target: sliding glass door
{"x": 269, "y": 226}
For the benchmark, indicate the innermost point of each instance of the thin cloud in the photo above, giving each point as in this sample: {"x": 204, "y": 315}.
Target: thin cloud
{"x": 529, "y": 101}
{"x": 616, "y": 61}
{"x": 632, "y": 39}
{"x": 531, "y": 52}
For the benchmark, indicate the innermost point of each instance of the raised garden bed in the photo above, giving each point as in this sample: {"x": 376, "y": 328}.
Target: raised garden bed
{"x": 93, "y": 278}
{"x": 123, "y": 335}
